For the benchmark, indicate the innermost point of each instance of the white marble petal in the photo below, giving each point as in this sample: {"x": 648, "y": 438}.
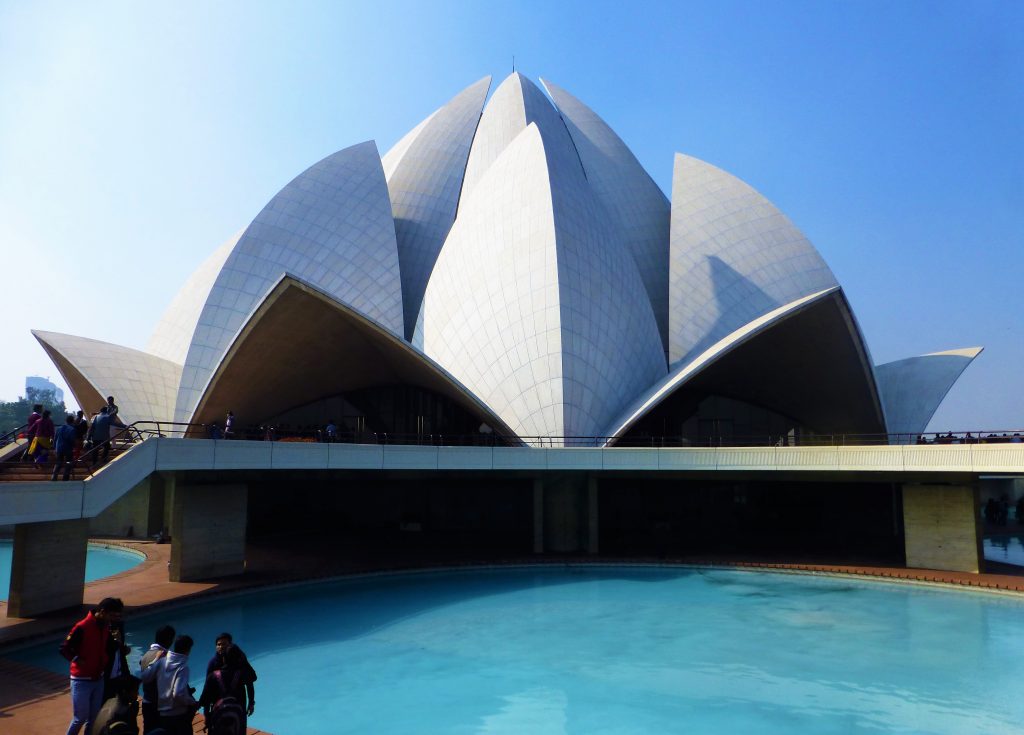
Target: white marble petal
{"x": 678, "y": 376}
{"x": 533, "y": 306}
{"x": 516, "y": 103}
{"x": 331, "y": 226}
{"x": 143, "y": 385}
{"x": 628, "y": 194}
{"x": 733, "y": 257}
{"x": 912, "y": 388}
{"x": 174, "y": 331}
{"x": 424, "y": 174}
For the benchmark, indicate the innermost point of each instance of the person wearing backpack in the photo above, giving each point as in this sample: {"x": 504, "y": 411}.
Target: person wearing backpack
{"x": 222, "y": 643}
{"x": 119, "y": 715}
{"x": 224, "y": 695}
{"x": 175, "y": 703}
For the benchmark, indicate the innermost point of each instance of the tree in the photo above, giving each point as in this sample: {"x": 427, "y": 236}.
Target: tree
{"x": 14, "y": 413}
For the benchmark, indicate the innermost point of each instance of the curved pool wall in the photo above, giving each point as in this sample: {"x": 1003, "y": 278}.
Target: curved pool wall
{"x": 614, "y": 650}
{"x": 100, "y": 561}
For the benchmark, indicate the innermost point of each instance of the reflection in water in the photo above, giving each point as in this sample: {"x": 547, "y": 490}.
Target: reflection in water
{"x": 1007, "y": 548}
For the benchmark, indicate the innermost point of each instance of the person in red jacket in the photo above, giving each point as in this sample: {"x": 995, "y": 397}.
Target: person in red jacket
{"x": 86, "y": 647}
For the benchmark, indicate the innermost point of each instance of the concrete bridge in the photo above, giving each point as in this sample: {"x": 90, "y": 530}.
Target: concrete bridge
{"x": 196, "y": 487}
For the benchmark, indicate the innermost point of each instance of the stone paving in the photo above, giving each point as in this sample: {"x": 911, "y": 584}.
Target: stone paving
{"x": 36, "y": 702}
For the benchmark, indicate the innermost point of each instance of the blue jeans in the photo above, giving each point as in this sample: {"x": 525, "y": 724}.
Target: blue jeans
{"x": 86, "y": 701}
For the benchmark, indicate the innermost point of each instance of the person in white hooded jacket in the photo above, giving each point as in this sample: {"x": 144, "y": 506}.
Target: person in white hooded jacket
{"x": 175, "y": 702}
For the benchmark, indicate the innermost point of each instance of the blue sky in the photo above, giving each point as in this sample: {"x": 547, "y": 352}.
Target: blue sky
{"x": 136, "y": 137}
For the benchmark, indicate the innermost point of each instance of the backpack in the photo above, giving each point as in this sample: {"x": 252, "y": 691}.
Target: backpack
{"x": 227, "y": 717}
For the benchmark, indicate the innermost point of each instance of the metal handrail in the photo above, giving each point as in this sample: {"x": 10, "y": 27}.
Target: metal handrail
{"x": 12, "y": 435}
{"x": 139, "y": 431}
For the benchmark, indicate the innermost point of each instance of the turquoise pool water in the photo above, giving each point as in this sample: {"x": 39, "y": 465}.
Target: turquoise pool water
{"x": 100, "y": 562}
{"x": 601, "y": 650}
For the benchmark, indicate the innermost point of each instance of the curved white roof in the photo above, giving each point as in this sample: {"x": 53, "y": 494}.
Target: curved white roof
{"x": 174, "y": 331}
{"x": 515, "y": 104}
{"x": 143, "y": 385}
{"x": 628, "y": 194}
{"x": 331, "y": 226}
{"x": 912, "y": 389}
{"x": 732, "y": 258}
{"x": 533, "y": 307}
{"x": 424, "y": 174}
{"x": 658, "y": 392}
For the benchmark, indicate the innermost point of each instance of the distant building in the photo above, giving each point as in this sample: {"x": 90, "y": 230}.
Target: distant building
{"x": 36, "y": 382}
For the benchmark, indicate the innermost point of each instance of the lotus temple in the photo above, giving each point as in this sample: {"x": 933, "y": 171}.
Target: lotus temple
{"x": 509, "y": 262}
{"x": 526, "y": 347}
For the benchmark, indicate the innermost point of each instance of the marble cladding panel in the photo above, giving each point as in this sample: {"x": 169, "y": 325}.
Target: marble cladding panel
{"x": 143, "y": 385}
{"x": 424, "y": 173}
{"x": 627, "y": 193}
{"x": 515, "y": 104}
{"x": 490, "y": 311}
{"x": 912, "y": 389}
{"x": 733, "y": 257}
{"x": 332, "y": 227}
{"x": 173, "y": 333}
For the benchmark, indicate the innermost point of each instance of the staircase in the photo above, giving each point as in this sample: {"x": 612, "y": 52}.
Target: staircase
{"x": 17, "y": 471}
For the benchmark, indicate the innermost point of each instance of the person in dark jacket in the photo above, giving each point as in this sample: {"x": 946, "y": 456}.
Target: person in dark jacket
{"x": 164, "y": 639}
{"x": 116, "y": 671}
{"x": 221, "y": 645}
{"x": 64, "y": 448}
{"x": 99, "y": 435}
{"x": 81, "y": 431}
{"x": 119, "y": 715}
{"x": 86, "y": 649}
{"x": 231, "y": 680}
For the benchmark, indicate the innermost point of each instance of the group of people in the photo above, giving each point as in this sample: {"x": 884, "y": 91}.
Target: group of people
{"x": 970, "y": 438}
{"x": 73, "y": 437}
{"x": 105, "y": 693}
{"x": 997, "y": 512}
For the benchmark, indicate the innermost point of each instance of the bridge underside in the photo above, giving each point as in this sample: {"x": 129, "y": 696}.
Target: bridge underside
{"x": 889, "y": 505}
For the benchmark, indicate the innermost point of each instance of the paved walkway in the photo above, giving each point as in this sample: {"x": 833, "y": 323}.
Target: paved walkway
{"x": 36, "y": 702}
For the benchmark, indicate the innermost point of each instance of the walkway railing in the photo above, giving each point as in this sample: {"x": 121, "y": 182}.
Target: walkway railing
{"x": 93, "y": 457}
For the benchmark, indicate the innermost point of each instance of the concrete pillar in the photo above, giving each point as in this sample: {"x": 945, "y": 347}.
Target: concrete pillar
{"x": 208, "y": 525}
{"x": 565, "y": 513}
{"x": 538, "y": 516}
{"x": 157, "y": 518}
{"x": 942, "y": 528}
{"x": 138, "y": 513}
{"x": 48, "y": 567}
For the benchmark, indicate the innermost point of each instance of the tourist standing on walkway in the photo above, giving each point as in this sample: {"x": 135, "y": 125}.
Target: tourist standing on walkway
{"x": 164, "y": 639}
{"x": 229, "y": 426}
{"x": 99, "y": 436}
{"x": 43, "y": 443}
{"x": 112, "y": 410}
{"x": 81, "y": 430}
{"x": 30, "y": 428}
{"x": 221, "y": 645}
{"x": 64, "y": 448}
{"x": 175, "y": 702}
{"x": 225, "y": 693}
{"x": 86, "y": 649}
{"x": 116, "y": 671}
